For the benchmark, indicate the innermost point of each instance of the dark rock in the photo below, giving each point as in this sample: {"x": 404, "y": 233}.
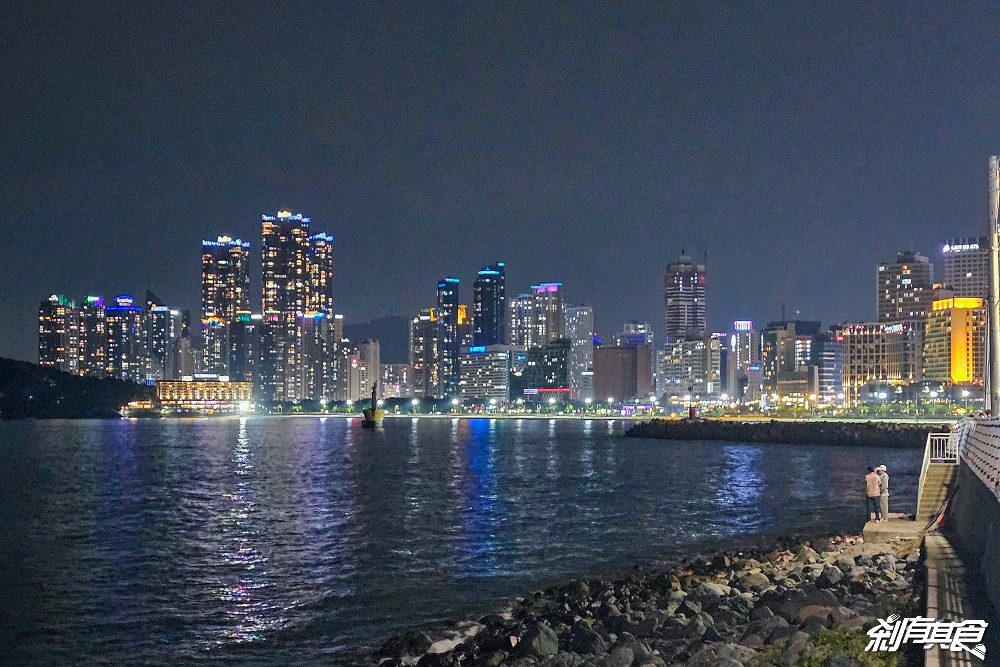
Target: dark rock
{"x": 578, "y": 589}
{"x": 813, "y": 624}
{"x": 711, "y": 635}
{"x": 675, "y": 628}
{"x": 539, "y": 641}
{"x": 761, "y": 614}
{"x": 607, "y": 610}
{"x": 408, "y": 643}
{"x": 796, "y": 644}
{"x": 840, "y": 614}
{"x": 806, "y": 555}
{"x": 844, "y": 564}
{"x": 764, "y": 628}
{"x": 863, "y": 561}
{"x": 689, "y": 609}
{"x": 752, "y": 583}
{"x": 741, "y": 654}
{"x": 780, "y": 634}
{"x": 620, "y": 656}
{"x": 812, "y": 611}
{"x": 839, "y": 659}
{"x": 491, "y": 660}
{"x": 647, "y": 628}
{"x": 585, "y": 641}
{"x": 704, "y": 657}
{"x": 752, "y": 641}
{"x": 434, "y": 660}
{"x": 829, "y": 578}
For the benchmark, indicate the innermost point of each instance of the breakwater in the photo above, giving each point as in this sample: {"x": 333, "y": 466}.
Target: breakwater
{"x": 860, "y": 434}
{"x": 808, "y": 602}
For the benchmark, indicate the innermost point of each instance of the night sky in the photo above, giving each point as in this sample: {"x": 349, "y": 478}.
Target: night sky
{"x": 797, "y": 144}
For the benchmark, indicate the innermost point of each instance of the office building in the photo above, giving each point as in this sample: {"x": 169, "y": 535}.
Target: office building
{"x": 93, "y": 338}
{"x": 225, "y": 291}
{"x": 159, "y": 333}
{"x": 955, "y": 342}
{"x": 684, "y": 300}
{"x": 203, "y": 394}
{"x": 689, "y": 367}
{"x": 967, "y": 267}
{"x": 905, "y": 288}
{"x": 423, "y": 353}
{"x": 59, "y": 334}
{"x": 489, "y": 306}
{"x": 742, "y": 360}
{"x": 245, "y": 347}
{"x": 448, "y": 341}
{"x": 879, "y": 357}
{"x": 786, "y": 348}
{"x": 486, "y": 375}
{"x": 547, "y": 307}
{"x": 319, "y": 268}
{"x": 828, "y": 356}
{"x": 635, "y": 333}
{"x": 623, "y": 373}
{"x": 579, "y": 326}
{"x": 546, "y": 372}
{"x": 126, "y": 349}
{"x": 521, "y": 326}
{"x": 396, "y": 381}
{"x": 370, "y": 368}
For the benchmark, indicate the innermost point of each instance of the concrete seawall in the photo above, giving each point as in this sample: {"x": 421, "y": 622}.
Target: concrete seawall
{"x": 972, "y": 520}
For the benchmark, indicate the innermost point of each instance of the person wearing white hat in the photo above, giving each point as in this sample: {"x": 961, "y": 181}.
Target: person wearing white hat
{"x": 883, "y": 489}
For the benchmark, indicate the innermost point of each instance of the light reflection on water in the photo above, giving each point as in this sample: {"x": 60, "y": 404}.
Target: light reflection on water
{"x": 264, "y": 541}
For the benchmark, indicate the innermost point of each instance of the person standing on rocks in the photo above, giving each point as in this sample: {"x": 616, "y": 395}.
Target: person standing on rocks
{"x": 883, "y": 491}
{"x": 872, "y": 493}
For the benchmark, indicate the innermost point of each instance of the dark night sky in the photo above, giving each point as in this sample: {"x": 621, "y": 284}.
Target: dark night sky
{"x": 798, "y": 144}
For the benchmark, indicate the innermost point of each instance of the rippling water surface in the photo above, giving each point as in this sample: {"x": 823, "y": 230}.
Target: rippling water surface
{"x": 299, "y": 540}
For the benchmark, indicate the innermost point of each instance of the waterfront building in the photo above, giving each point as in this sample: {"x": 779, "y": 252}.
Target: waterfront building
{"x": 955, "y": 342}
{"x": 93, "y": 337}
{"x": 185, "y": 357}
{"x": 624, "y": 373}
{"x": 683, "y": 368}
{"x": 314, "y": 341}
{"x": 744, "y": 356}
{"x": 489, "y": 305}
{"x": 486, "y": 374}
{"x": 465, "y": 327}
{"x": 684, "y": 300}
{"x": 579, "y": 326}
{"x": 547, "y": 308}
{"x": 879, "y": 357}
{"x": 396, "y": 381}
{"x": 521, "y": 322}
{"x": 319, "y": 269}
{"x": 828, "y": 356}
{"x": 423, "y": 353}
{"x": 225, "y": 291}
{"x": 967, "y": 267}
{"x": 546, "y": 371}
{"x": 347, "y": 384}
{"x": 59, "y": 334}
{"x": 245, "y": 347}
{"x": 126, "y": 351}
{"x": 159, "y": 333}
{"x": 786, "y": 348}
{"x": 905, "y": 288}
{"x": 448, "y": 340}
{"x": 205, "y": 393}
{"x": 370, "y": 368}
{"x": 285, "y": 252}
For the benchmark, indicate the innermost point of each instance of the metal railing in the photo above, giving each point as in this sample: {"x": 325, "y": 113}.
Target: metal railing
{"x": 942, "y": 448}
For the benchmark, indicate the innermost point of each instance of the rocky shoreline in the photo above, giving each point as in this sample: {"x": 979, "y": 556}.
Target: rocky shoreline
{"x": 807, "y": 602}
{"x": 859, "y": 434}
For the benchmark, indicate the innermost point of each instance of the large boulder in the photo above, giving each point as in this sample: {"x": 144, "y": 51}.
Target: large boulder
{"x": 753, "y": 583}
{"x": 539, "y": 641}
{"x": 741, "y": 654}
{"x": 409, "y": 643}
{"x": 829, "y": 577}
{"x": 620, "y": 656}
{"x": 796, "y": 644}
{"x": 585, "y": 641}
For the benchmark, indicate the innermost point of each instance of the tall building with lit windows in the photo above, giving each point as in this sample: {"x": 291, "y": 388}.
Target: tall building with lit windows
{"x": 521, "y": 329}
{"x": 967, "y": 266}
{"x": 93, "y": 337}
{"x": 448, "y": 342}
{"x": 905, "y": 288}
{"x": 285, "y": 257}
{"x": 59, "y": 334}
{"x": 489, "y": 305}
{"x": 225, "y": 291}
{"x": 955, "y": 342}
{"x": 423, "y": 353}
{"x": 126, "y": 346}
{"x": 684, "y": 300}
{"x": 547, "y": 306}
{"x": 579, "y": 325}
{"x": 320, "y": 269}
{"x": 159, "y": 333}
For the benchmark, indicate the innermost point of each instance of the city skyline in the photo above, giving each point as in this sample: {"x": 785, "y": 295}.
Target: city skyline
{"x": 786, "y": 144}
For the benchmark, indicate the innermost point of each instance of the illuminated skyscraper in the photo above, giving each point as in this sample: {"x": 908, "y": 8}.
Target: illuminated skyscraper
{"x": 905, "y": 288}
{"x": 423, "y": 353}
{"x": 955, "y": 342}
{"x": 579, "y": 324}
{"x": 547, "y": 306}
{"x": 159, "y": 334}
{"x": 448, "y": 341}
{"x": 966, "y": 267}
{"x": 126, "y": 347}
{"x": 521, "y": 329}
{"x": 320, "y": 269}
{"x": 489, "y": 304}
{"x": 285, "y": 267}
{"x": 93, "y": 338}
{"x": 59, "y": 334}
{"x": 225, "y": 291}
{"x": 684, "y": 300}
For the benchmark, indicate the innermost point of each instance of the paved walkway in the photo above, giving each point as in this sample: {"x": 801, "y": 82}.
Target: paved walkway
{"x": 948, "y": 599}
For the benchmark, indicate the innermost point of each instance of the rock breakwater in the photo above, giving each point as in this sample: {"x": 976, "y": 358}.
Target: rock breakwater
{"x": 808, "y": 603}
{"x": 864, "y": 434}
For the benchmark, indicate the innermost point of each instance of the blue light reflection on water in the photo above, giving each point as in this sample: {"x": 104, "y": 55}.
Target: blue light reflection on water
{"x": 263, "y": 541}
